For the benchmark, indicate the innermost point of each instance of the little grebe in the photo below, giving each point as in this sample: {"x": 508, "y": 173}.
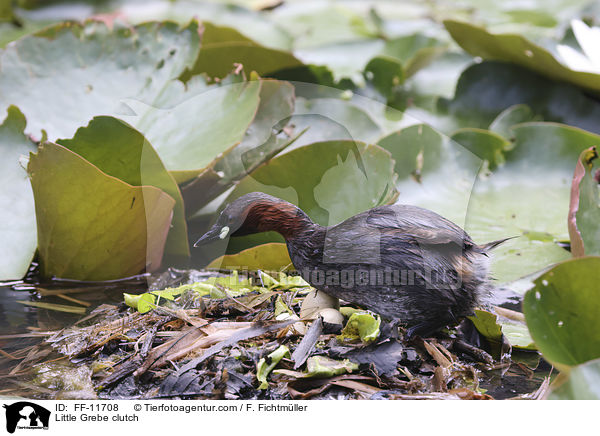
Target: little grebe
{"x": 404, "y": 262}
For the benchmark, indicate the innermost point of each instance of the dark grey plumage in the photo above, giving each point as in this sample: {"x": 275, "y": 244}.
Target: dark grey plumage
{"x": 404, "y": 262}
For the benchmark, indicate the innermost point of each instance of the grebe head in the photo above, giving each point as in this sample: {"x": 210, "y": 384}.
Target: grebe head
{"x": 251, "y": 213}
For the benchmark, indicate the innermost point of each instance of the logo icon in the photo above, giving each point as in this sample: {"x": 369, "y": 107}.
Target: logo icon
{"x": 26, "y": 415}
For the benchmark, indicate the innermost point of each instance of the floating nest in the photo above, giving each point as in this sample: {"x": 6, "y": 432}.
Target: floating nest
{"x": 220, "y": 336}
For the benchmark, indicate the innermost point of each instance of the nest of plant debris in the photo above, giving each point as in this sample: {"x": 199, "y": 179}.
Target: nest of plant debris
{"x": 249, "y": 338}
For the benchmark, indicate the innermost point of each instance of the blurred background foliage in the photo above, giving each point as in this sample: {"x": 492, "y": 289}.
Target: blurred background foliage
{"x": 479, "y": 110}
{"x": 382, "y": 72}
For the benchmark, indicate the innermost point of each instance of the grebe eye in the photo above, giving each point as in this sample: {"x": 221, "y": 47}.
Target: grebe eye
{"x": 224, "y": 232}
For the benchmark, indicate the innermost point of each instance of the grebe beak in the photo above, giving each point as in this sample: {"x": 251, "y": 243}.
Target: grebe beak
{"x": 216, "y": 233}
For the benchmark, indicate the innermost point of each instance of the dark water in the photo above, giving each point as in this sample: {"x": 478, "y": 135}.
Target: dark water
{"x": 19, "y": 323}
{"x": 14, "y": 317}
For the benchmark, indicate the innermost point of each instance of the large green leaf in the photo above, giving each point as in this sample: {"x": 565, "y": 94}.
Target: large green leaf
{"x": 433, "y": 171}
{"x": 332, "y": 118}
{"x": 92, "y": 226}
{"x": 264, "y": 139}
{"x": 534, "y": 18}
{"x": 552, "y": 146}
{"x": 33, "y": 15}
{"x": 191, "y": 129}
{"x": 6, "y": 11}
{"x": 584, "y": 210}
{"x": 330, "y": 181}
{"x": 120, "y": 151}
{"x": 528, "y": 195}
{"x": 251, "y": 24}
{"x": 266, "y": 257}
{"x": 583, "y": 383}
{"x": 416, "y": 150}
{"x": 517, "y": 49}
{"x": 414, "y": 51}
{"x": 348, "y": 59}
{"x": 10, "y": 32}
{"x": 345, "y": 178}
{"x": 18, "y": 238}
{"x": 486, "y": 144}
{"x": 509, "y": 117}
{"x": 485, "y": 90}
{"x": 222, "y": 47}
{"x": 385, "y": 73}
{"x": 320, "y": 24}
{"x": 439, "y": 78}
{"x": 98, "y": 68}
{"x": 562, "y": 312}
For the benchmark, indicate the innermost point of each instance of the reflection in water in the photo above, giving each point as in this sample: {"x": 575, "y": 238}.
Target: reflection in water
{"x": 23, "y": 327}
{"x": 14, "y": 317}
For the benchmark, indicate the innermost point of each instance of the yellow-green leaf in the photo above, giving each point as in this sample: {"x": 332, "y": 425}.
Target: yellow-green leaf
{"x": 92, "y": 226}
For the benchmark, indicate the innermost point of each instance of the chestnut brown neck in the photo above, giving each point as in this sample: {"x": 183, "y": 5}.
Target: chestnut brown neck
{"x": 282, "y": 217}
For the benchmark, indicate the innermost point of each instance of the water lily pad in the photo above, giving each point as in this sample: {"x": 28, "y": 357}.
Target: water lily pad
{"x": 512, "y": 200}
{"x": 414, "y": 51}
{"x": 518, "y": 335}
{"x": 197, "y": 125}
{"x": 222, "y": 47}
{"x": 487, "y": 324}
{"x": 92, "y": 226}
{"x": 11, "y": 31}
{"x": 416, "y": 150}
{"x": 582, "y": 383}
{"x": 517, "y": 49}
{"x": 345, "y": 60}
{"x": 346, "y": 178}
{"x": 440, "y": 76}
{"x": 264, "y": 138}
{"x": 319, "y": 24}
{"x": 562, "y": 312}
{"x": 6, "y": 12}
{"x": 269, "y": 257}
{"x": 532, "y": 16}
{"x": 120, "y": 151}
{"x": 385, "y": 73}
{"x": 98, "y": 68}
{"x": 252, "y": 24}
{"x": 485, "y": 144}
{"x": 561, "y": 146}
{"x": 509, "y": 117}
{"x": 404, "y": 56}
{"x": 324, "y": 119}
{"x": 18, "y": 237}
{"x": 434, "y": 172}
{"x": 401, "y": 58}
{"x": 584, "y": 210}
{"x": 487, "y": 89}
